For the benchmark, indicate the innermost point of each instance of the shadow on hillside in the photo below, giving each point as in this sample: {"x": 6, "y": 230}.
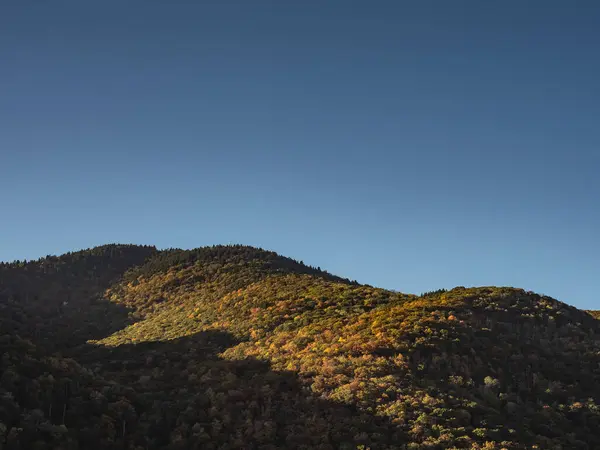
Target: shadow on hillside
{"x": 518, "y": 355}
{"x": 62, "y": 326}
{"x": 63, "y": 306}
{"x": 515, "y": 344}
{"x": 187, "y": 397}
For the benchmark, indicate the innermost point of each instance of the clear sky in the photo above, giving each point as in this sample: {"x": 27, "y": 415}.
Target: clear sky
{"x": 411, "y": 145}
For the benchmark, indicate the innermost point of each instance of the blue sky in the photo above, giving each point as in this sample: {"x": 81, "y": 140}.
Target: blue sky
{"x": 408, "y": 145}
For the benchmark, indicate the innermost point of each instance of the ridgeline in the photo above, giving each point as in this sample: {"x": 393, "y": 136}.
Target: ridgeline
{"x": 235, "y": 347}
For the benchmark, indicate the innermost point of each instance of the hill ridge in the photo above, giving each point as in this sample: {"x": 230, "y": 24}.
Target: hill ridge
{"x": 239, "y": 347}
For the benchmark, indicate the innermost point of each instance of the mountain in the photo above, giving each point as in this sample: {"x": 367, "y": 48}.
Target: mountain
{"x": 234, "y": 347}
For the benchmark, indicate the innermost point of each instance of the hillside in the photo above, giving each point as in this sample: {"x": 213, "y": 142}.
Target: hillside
{"x": 228, "y": 347}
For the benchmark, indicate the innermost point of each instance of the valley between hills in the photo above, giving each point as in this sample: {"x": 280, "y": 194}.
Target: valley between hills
{"x": 235, "y": 347}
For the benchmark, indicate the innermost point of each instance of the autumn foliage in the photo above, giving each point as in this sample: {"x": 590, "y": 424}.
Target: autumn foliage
{"x": 227, "y": 347}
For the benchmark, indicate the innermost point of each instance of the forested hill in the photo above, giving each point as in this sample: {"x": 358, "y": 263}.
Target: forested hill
{"x": 234, "y": 347}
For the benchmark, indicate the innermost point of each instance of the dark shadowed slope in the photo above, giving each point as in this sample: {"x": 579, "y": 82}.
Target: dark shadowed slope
{"x": 59, "y": 299}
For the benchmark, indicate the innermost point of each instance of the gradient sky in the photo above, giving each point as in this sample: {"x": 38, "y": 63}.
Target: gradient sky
{"x": 411, "y": 145}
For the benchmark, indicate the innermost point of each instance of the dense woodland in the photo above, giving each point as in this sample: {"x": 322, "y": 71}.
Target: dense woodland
{"x": 234, "y": 347}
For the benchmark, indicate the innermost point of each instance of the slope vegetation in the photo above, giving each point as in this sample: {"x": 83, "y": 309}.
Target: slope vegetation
{"x": 235, "y": 347}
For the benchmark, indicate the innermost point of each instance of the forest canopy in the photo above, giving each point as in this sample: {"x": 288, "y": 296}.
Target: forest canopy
{"x": 230, "y": 347}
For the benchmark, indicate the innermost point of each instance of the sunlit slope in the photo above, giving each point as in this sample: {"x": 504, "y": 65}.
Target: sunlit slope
{"x": 448, "y": 369}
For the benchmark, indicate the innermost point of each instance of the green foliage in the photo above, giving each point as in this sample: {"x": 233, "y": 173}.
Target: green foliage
{"x": 219, "y": 255}
{"x": 433, "y": 293}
